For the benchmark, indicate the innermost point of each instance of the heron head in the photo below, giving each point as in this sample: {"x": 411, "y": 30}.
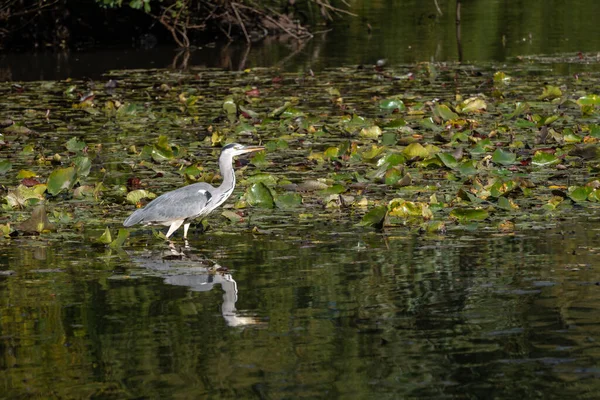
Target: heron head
{"x": 235, "y": 149}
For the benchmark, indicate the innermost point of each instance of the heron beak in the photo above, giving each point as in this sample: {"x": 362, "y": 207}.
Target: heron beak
{"x": 250, "y": 149}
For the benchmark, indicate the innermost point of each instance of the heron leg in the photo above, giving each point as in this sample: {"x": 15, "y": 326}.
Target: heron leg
{"x": 174, "y": 226}
{"x": 185, "y": 230}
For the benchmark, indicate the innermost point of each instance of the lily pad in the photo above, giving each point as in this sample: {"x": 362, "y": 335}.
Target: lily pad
{"x": 259, "y": 195}
{"x": 61, "y": 179}
{"x": 374, "y": 217}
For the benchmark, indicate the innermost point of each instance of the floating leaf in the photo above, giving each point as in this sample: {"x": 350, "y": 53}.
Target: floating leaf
{"x": 591, "y": 99}
{"x": 550, "y": 92}
{"x": 83, "y": 166}
{"x": 473, "y": 104}
{"x": 392, "y": 105}
{"x": 448, "y": 160}
{"x": 503, "y": 157}
{"x": 258, "y": 195}
{"x": 120, "y": 240}
{"x": 374, "y": 217}
{"x": 38, "y": 222}
{"x": 543, "y": 159}
{"x": 372, "y": 132}
{"x": 415, "y": 150}
{"x": 579, "y": 193}
{"x": 469, "y": 214}
{"x": 229, "y": 106}
{"x": 106, "y": 237}
{"x": 5, "y": 166}
{"x": 232, "y": 216}
{"x": 75, "y": 145}
{"x": 287, "y": 200}
{"x": 135, "y": 196}
{"x": 23, "y": 196}
{"x": 444, "y": 112}
{"x": 24, "y": 174}
{"x": 59, "y": 179}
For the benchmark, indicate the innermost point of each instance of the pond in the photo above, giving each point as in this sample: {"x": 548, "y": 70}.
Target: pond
{"x": 418, "y": 229}
{"x": 318, "y": 313}
{"x": 395, "y": 239}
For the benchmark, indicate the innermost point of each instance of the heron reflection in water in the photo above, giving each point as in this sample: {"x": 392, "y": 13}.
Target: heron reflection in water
{"x": 199, "y": 275}
{"x": 182, "y": 205}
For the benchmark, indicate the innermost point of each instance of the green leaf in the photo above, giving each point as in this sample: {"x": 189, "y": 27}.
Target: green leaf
{"x": 258, "y": 195}
{"x": 120, "y": 240}
{"x": 135, "y": 196}
{"x": 106, "y": 237}
{"x": 25, "y": 173}
{"x": 288, "y": 200}
{"x": 391, "y": 105}
{"x": 448, "y": 160}
{"x": 503, "y": 157}
{"x": 468, "y": 167}
{"x": 469, "y": 214}
{"x": 579, "y": 193}
{"x": 372, "y": 132}
{"x": 83, "y": 166}
{"x": 59, "y": 179}
{"x": 544, "y": 159}
{"x": 550, "y": 92}
{"x": 334, "y": 189}
{"x": 444, "y": 112}
{"x": 392, "y": 176}
{"x": 591, "y": 99}
{"x": 374, "y": 217}
{"x": 229, "y": 106}
{"x": 74, "y": 145}
{"x": 473, "y": 104}
{"x": 415, "y": 150}
{"x": 5, "y": 166}
{"x": 232, "y": 216}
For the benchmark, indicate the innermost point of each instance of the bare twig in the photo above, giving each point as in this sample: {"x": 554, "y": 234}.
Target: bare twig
{"x": 237, "y": 14}
{"x": 334, "y": 9}
{"x": 437, "y": 6}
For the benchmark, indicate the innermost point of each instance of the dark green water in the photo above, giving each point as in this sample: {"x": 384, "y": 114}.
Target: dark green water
{"x": 405, "y": 31}
{"x": 325, "y": 313}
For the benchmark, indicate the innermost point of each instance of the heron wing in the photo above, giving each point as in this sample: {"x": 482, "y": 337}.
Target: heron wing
{"x": 187, "y": 202}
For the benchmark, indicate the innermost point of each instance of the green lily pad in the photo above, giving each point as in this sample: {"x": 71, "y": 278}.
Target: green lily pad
{"x": 258, "y": 195}
{"x": 372, "y": 132}
{"x": 469, "y": 214}
{"x": 60, "y": 179}
{"x": 374, "y": 217}
{"x": 105, "y": 238}
{"x": 543, "y": 159}
{"x": 448, "y": 160}
{"x": 579, "y": 193}
{"x": 288, "y": 200}
{"x": 503, "y": 157}
{"x": 75, "y": 145}
{"x": 120, "y": 240}
{"x": 444, "y": 112}
{"x": 5, "y": 166}
{"x": 135, "y": 196}
{"x": 550, "y": 92}
{"x": 391, "y": 105}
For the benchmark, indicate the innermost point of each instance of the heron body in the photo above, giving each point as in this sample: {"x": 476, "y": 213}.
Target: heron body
{"x": 182, "y": 205}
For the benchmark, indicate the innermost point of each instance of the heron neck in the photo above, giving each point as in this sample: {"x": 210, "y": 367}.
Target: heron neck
{"x": 227, "y": 172}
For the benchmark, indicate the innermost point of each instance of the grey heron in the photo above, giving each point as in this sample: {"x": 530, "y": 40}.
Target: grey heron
{"x": 197, "y": 200}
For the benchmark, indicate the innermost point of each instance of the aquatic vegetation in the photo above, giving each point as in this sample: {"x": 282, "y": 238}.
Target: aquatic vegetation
{"x": 501, "y": 149}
